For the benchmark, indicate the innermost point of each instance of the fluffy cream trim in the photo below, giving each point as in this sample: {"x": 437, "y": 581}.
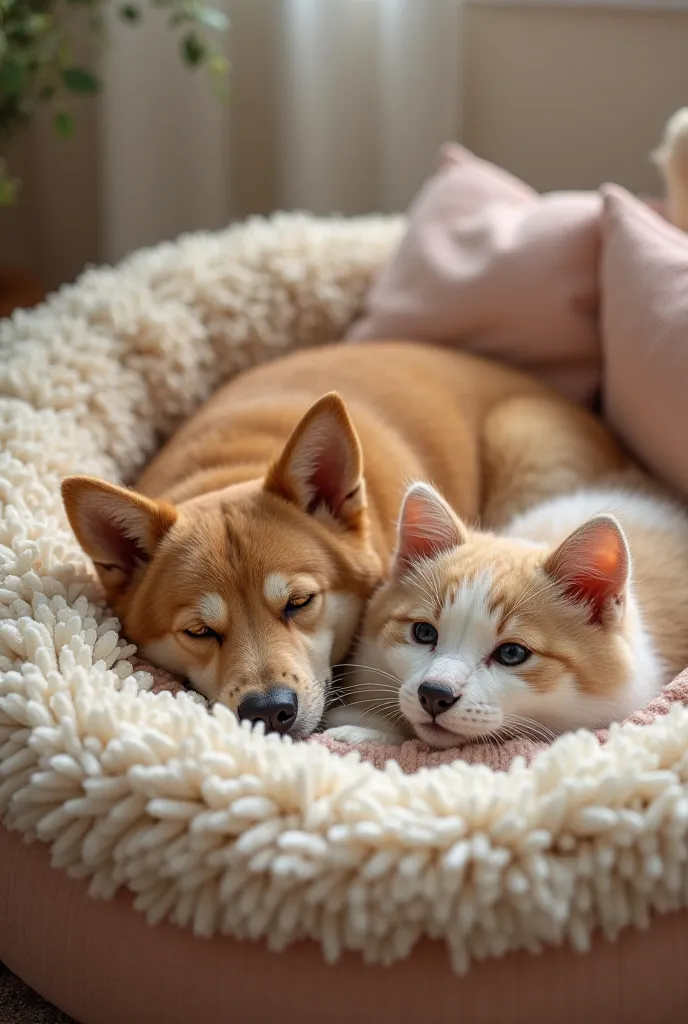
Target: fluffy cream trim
{"x": 217, "y": 828}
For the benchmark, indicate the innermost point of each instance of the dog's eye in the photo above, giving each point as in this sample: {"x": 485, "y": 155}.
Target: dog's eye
{"x": 295, "y": 604}
{"x": 202, "y": 632}
{"x": 511, "y": 654}
{"x": 424, "y": 633}
{"x": 109, "y": 567}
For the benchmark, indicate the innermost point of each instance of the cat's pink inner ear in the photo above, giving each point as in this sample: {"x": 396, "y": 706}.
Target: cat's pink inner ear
{"x": 427, "y": 527}
{"x": 593, "y": 564}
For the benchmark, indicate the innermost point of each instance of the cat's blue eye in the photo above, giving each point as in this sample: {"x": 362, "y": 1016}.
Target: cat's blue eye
{"x": 424, "y": 633}
{"x": 511, "y": 654}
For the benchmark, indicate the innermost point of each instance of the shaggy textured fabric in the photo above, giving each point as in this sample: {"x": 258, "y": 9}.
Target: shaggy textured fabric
{"x": 210, "y": 825}
{"x": 412, "y": 755}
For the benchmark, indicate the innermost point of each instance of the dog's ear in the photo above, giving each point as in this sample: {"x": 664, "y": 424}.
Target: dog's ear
{"x": 117, "y": 528}
{"x": 427, "y": 527}
{"x": 320, "y": 468}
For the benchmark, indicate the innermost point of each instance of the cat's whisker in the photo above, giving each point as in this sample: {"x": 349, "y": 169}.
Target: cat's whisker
{"x": 525, "y": 726}
{"x": 380, "y": 711}
{"x": 370, "y": 702}
{"x": 365, "y": 702}
{"x": 534, "y": 727}
{"x": 346, "y": 666}
{"x": 346, "y": 686}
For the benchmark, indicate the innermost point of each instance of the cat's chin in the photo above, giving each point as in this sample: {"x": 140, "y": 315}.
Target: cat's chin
{"x": 441, "y": 739}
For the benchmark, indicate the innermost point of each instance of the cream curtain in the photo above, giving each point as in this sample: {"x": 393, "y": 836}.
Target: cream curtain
{"x": 336, "y": 106}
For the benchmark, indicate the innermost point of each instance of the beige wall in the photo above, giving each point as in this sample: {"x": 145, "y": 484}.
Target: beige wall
{"x": 565, "y": 97}
{"x": 570, "y": 98}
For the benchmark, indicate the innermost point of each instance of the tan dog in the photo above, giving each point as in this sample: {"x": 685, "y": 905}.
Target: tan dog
{"x": 246, "y": 559}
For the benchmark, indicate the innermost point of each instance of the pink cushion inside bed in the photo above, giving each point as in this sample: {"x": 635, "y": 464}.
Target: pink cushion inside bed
{"x": 645, "y": 331}
{"x": 491, "y": 266}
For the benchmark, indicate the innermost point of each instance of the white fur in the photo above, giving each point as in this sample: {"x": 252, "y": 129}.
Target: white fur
{"x": 492, "y": 696}
{"x": 338, "y": 621}
{"x": 169, "y": 654}
{"x": 551, "y": 521}
{"x": 468, "y": 633}
{"x": 213, "y": 611}
{"x": 276, "y": 588}
{"x": 357, "y": 734}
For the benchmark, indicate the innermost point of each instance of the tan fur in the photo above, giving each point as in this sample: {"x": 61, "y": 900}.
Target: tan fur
{"x": 599, "y": 602}
{"x": 530, "y": 611}
{"x": 228, "y": 503}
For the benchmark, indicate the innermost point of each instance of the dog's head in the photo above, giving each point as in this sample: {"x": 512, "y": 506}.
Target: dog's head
{"x": 252, "y": 592}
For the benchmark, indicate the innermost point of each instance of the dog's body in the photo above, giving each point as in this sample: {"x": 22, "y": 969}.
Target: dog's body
{"x": 247, "y": 570}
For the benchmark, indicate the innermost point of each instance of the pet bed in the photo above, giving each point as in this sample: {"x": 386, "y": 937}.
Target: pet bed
{"x": 153, "y": 809}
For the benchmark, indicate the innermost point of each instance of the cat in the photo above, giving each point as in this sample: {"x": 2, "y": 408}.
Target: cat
{"x": 574, "y": 615}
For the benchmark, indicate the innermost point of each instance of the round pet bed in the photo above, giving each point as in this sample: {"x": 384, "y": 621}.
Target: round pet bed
{"x": 180, "y": 817}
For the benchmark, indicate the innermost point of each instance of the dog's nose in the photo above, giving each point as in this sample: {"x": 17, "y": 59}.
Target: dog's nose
{"x": 436, "y": 697}
{"x": 276, "y": 708}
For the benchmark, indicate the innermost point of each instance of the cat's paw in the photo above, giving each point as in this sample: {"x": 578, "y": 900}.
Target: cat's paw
{"x": 357, "y": 734}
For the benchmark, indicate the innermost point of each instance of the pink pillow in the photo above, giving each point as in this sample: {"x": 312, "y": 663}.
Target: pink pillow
{"x": 490, "y": 265}
{"x": 644, "y": 281}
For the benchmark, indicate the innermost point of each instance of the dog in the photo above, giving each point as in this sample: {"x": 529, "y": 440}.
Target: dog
{"x": 245, "y": 556}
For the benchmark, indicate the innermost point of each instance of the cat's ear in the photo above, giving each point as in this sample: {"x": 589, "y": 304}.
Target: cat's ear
{"x": 427, "y": 527}
{"x": 321, "y": 465}
{"x": 593, "y": 565}
{"x": 118, "y": 529}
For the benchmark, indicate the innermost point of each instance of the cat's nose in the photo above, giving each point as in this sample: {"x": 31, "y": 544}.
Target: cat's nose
{"x": 436, "y": 697}
{"x": 277, "y": 708}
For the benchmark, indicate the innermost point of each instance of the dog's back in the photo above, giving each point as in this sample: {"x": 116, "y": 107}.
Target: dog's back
{"x": 420, "y": 412}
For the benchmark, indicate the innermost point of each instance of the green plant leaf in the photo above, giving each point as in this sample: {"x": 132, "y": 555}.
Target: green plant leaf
{"x": 194, "y": 50}
{"x": 80, "y": 80}
{"x": 9, "y": 187}
{"x": 210, "y": 17}
{"x": 130, "y": 13}
{"x": 37, "y": 24}
{"x": 64, "y": 125}
{"x": 218, "y": 66}
{"x": 13, "y": 77}
{"x": 39, "y": 44}
{"x": 64, "y": 52}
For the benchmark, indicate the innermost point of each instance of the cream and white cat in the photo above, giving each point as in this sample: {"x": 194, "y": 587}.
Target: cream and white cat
{"x": 574, "y": 615}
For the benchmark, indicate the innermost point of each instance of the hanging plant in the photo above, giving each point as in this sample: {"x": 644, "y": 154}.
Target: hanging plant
{"x": 38, "y": 66}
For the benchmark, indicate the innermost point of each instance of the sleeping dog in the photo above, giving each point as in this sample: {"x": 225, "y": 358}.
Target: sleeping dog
{"x": 251, "y": 544}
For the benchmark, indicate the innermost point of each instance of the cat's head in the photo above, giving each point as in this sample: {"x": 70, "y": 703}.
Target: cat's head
{"x": 490, "y": 634}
